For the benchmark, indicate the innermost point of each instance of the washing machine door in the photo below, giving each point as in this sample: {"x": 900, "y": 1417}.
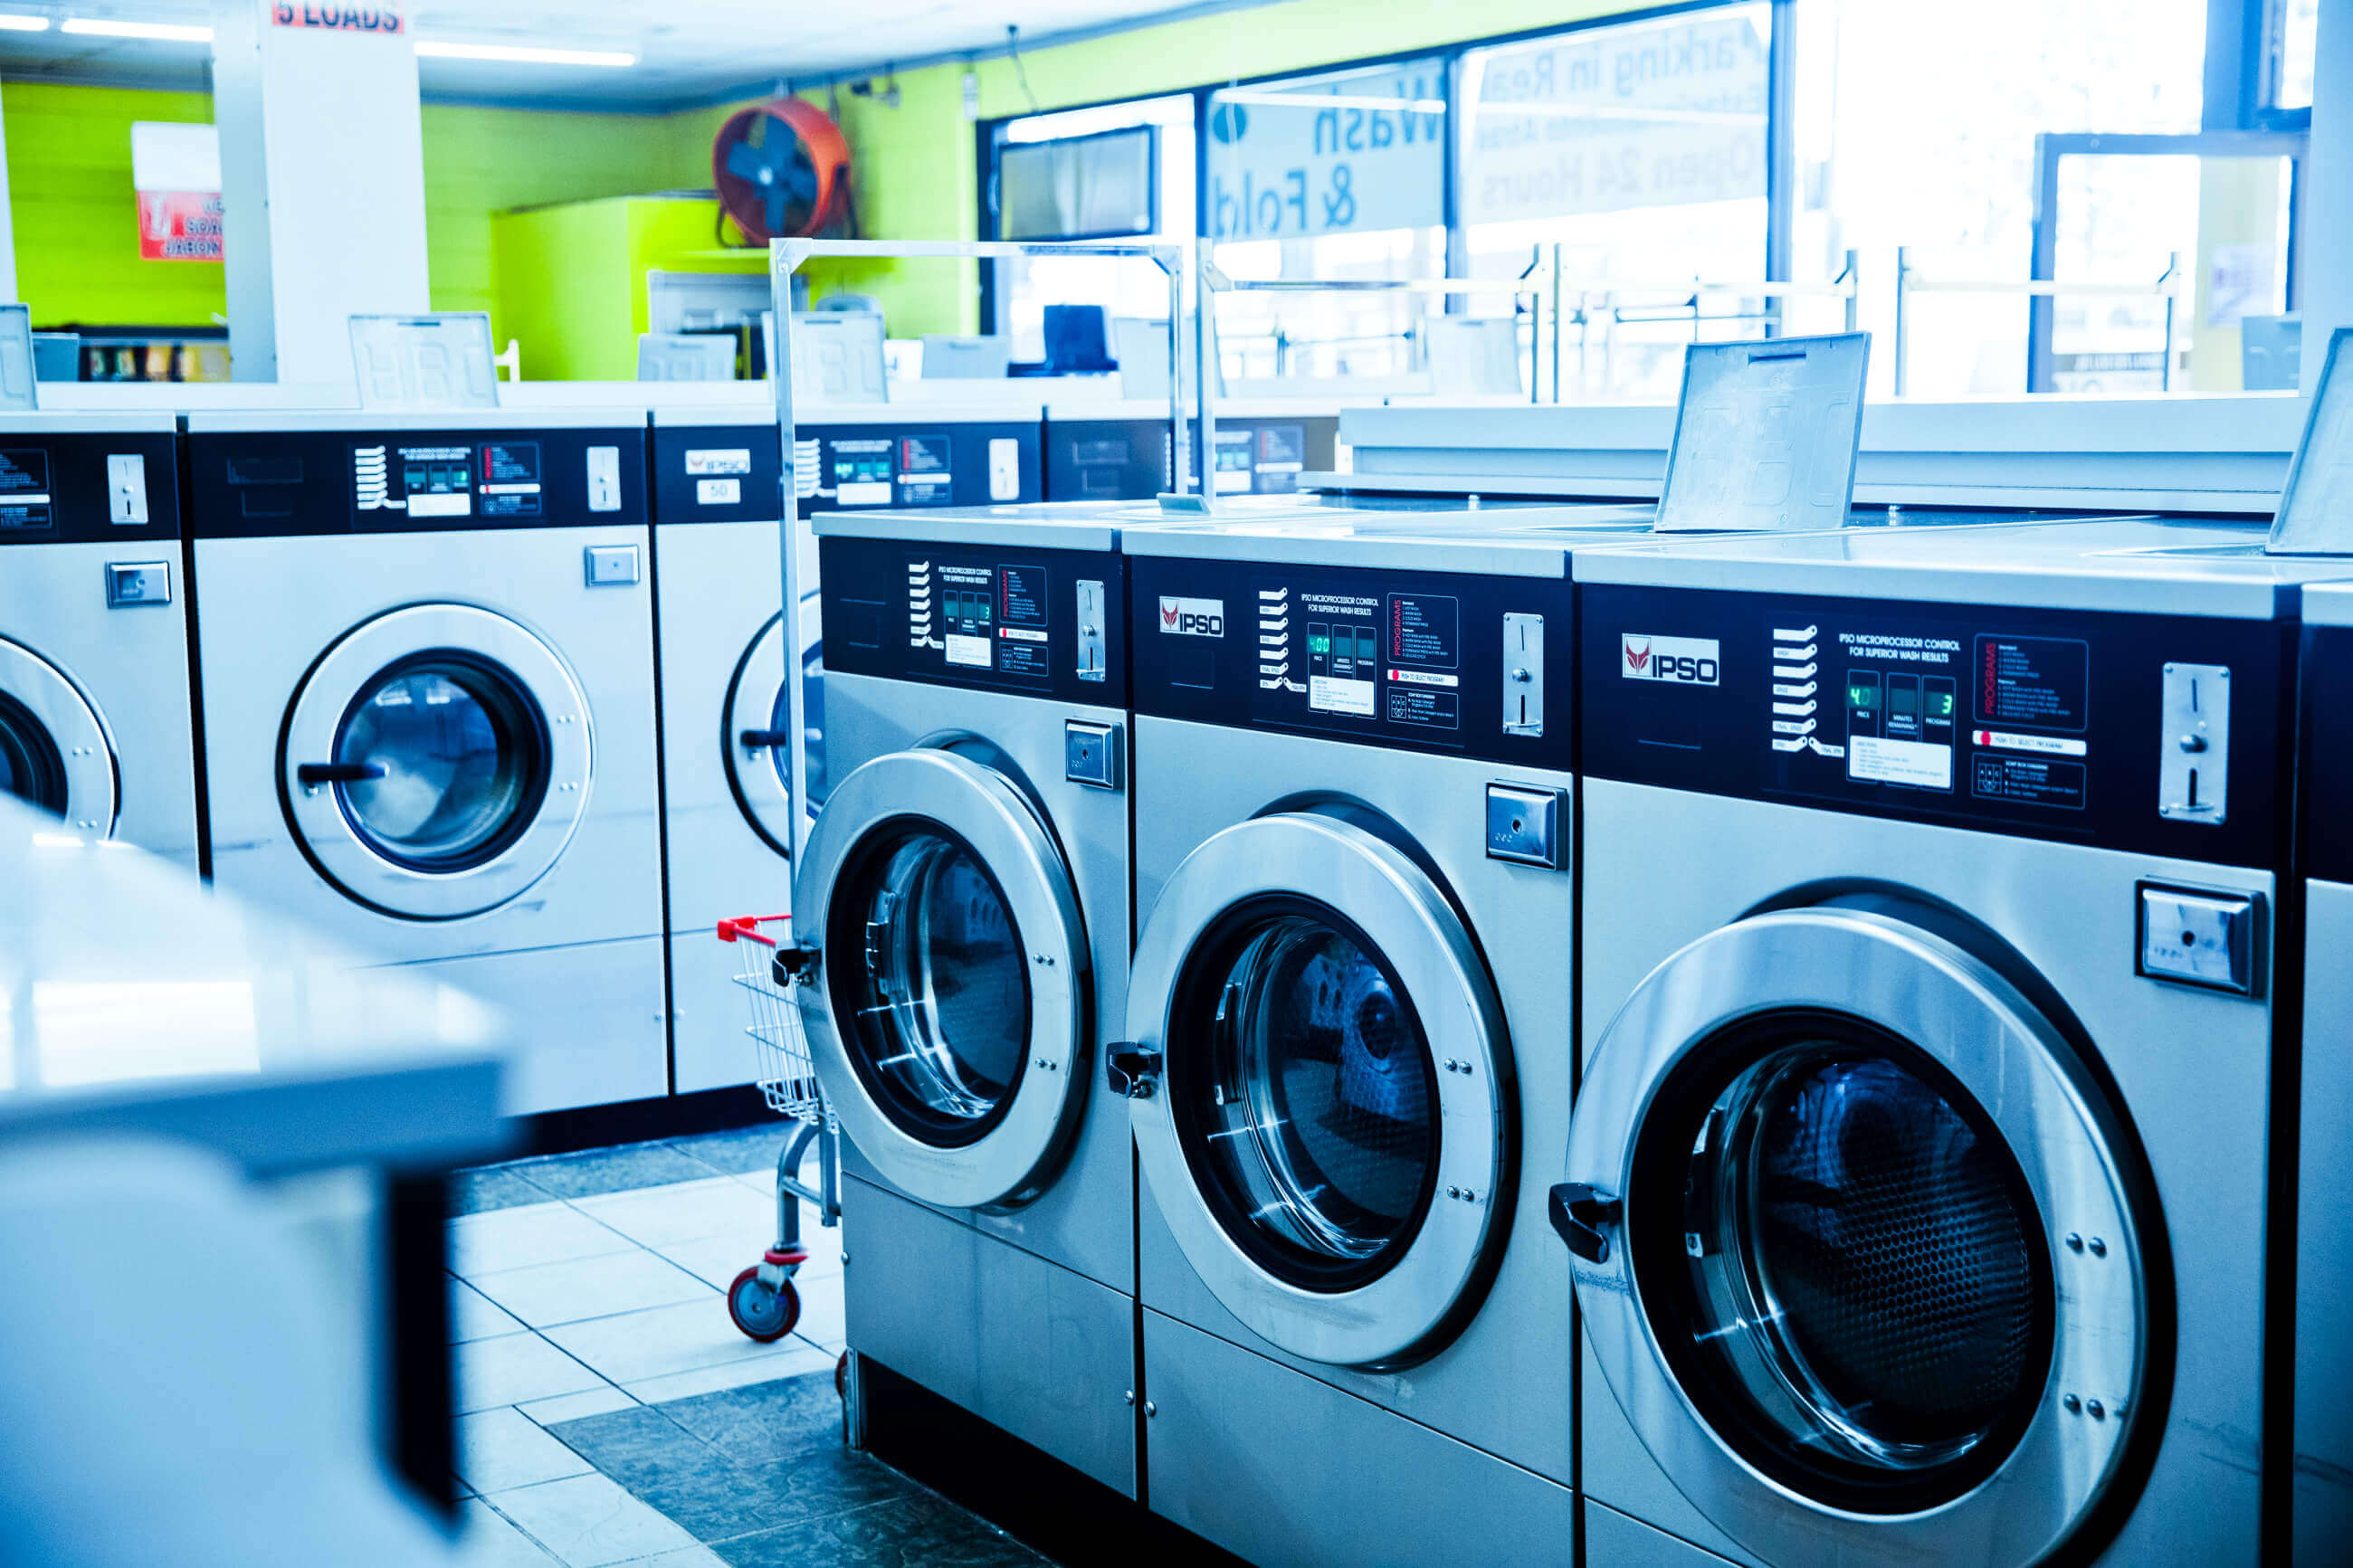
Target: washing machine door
{"x": 1319, "y": 1084}
{"x": 54, "y": 750}
{"x": 435, "y": 761}
{"x": 947, "y": 1020}
{"x": 755, "y": 734}
{"x": 1856, "y": 1244}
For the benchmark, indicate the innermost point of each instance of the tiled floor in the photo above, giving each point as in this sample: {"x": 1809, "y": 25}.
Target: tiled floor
{"x": 610, "y": 1412}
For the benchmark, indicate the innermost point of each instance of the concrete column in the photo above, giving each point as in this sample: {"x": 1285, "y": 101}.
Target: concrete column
{"x": 322, "y": 189}
{"x": 7, "y": 228}
{"x": 2326, "y": 253}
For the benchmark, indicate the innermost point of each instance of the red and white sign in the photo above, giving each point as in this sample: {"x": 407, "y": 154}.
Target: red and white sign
{"x": 179, "y": 225}
{"x": 383, "y": 19}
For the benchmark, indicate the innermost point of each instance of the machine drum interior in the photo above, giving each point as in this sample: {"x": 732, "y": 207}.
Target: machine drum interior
{"x": 1305, "y": 1095}
{"x": 932, "y": 984}
{"x": 1858, "y": 1294}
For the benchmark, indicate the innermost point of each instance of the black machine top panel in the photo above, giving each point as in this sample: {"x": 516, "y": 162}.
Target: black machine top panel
{"x": 249, "y": 483}
{"x": 85, "y": 487}
{"x": 1127, "y": 459}
{"x": 2329, "y": 753}
{"x": 913, "y": 463}
{"x": 1409, "y": 661}
{"x": 1044, "y": 623}
{"x": 717, "y": 473}
{"x": 2035, "y": 723}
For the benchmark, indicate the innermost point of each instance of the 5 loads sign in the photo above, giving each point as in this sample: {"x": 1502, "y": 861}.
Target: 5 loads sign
{"x": 337, "y": 18}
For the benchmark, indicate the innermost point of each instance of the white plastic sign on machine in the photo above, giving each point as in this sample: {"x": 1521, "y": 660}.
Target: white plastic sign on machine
{"x": 1766, "y": 436}
{"x": 2315, "y": 509}
{"x": 440, "y": 359}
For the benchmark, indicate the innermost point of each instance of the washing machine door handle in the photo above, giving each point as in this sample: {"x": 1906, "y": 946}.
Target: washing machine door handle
{"x": 763, "y": 740}
{"x": 311, "y": 775}
{"x": 1578, "y": 1212}
{"x": 1131, "y": 1069}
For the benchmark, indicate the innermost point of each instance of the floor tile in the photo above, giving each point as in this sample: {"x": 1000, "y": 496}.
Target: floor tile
{"x": 551, "y": 1293}
{"x": 762, "y": 1425}
{"x": 794, "y": 1358}
{"x": 693, "y": 1557}
{"x": 573, "y": 1406}
{"x": 515, "y": 1369}
{"x": 753, "y": 1147}
{"x": 588, "y": 1522}
{"x": 635, "y": 1346}
{"x": 626, "y": 1168}
{"x": 700, "y": 1487}
{"x": 474, "y": 1317}
{"x": 492, "y": 1188}
{"x": 924, "y": 1529}
{"x": 690, "y": 1211}
{"x": 822, "y": 1308}
{"x": 486, "y": 1539}
{"x": 519, "y": 1238}
{"x": 502, "y": 1448}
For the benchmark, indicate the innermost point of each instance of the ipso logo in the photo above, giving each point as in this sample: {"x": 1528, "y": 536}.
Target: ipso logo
{"x": 1193, "y": 617}
{"x": 1684, "y": 661}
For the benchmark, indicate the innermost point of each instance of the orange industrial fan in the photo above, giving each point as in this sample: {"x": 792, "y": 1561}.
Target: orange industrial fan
{"x": 781, "y": 170}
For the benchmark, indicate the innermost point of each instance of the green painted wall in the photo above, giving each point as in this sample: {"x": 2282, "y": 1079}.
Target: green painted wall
{"x": 75, "y": 220}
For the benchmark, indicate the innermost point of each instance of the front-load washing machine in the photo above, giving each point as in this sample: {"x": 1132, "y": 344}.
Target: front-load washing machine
{"x": 96, "y": 717}
{"x": 426, "y": 650}
{"x": 2323, "y": 1474}
{"x": 1917, "y": 1180}
{"x": 727, "y": 799}
{"x": 964, "y": 892}
{"x": 1347, "y": 1035}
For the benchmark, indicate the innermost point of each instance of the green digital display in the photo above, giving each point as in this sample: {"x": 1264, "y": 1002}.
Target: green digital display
{"x": 1862, "y": 696}
{"x": 1940, "y": 704}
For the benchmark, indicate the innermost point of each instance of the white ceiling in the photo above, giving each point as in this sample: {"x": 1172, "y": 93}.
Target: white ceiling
{"x": 689, "y": 51}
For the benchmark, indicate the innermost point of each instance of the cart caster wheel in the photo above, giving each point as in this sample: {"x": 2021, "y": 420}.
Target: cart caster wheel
{"x": 762, "y": 1311}
{"x": 841, "y": 1375}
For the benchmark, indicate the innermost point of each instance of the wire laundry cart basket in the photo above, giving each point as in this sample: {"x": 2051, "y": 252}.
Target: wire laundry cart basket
{"x": 762, "y": 1301}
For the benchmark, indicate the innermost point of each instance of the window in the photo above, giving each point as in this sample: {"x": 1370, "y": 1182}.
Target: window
{"x": 1338, "y": 177}
{"x": 1132, "y": 287}
{"x": 2295, "y": 33}
{"x": 1634, "y": 157}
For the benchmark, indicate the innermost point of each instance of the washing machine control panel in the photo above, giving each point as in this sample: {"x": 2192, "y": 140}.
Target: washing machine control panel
{"x": 1127, "y": 459}
{"x": 89, "y": 486}
{"x": 2148, "y": 733}
{"x": 717, "y": 473}
{"x": 1430, "y": 661}
{"x": 1006, "y": 619}
{"x": 850, "y": 467}
{"x": 244, "y": 484}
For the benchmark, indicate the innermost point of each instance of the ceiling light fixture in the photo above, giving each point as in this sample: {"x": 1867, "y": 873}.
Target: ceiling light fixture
{"x": 164, "y": 32}
{"x": 514, "y": 54}
{"x": 10, "y": 23}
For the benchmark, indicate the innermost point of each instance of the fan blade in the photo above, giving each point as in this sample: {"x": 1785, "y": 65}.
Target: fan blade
{"x": 745, "y": 161}
{"x": 775, "y": 210}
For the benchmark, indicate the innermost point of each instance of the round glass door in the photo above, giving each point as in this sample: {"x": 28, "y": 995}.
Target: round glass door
{"x": 948, "y": 1022}
{"x": 1331, "y": 1139}
{"x": 754, "y": 731}
{"x": 1309, "y": 1111}
{"x": 1822, "y": 1178}
{"x": 1860, "y": 1290}
{"x": 939, "y": 995}
{"x": 437, "y": 762}
{"x": 55, "y": 754}
{"x": 442, "y": 761}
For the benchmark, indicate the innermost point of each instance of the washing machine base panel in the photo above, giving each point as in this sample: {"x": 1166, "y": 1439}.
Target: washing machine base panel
{"x": 1046, "y": 1354}
{"x": 1282, "y": 1468}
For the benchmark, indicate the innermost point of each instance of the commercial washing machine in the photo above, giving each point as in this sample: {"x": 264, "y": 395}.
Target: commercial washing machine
{"x": 727, "y": 801}
{"x": 1346, "y": 1036}
{"x": 965, "y": 891}
{"x": 96, "y": 717}
{"x": 1916, "y": 1183}
{"x": 2324, "y": 1222}
{"x": 426, "y": 652}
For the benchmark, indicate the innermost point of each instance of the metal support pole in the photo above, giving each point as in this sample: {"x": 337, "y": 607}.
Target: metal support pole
{"x": 2165, "y": 282}
{"x": 1903, "y": 287}
{"x": 1853, "y": 292}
